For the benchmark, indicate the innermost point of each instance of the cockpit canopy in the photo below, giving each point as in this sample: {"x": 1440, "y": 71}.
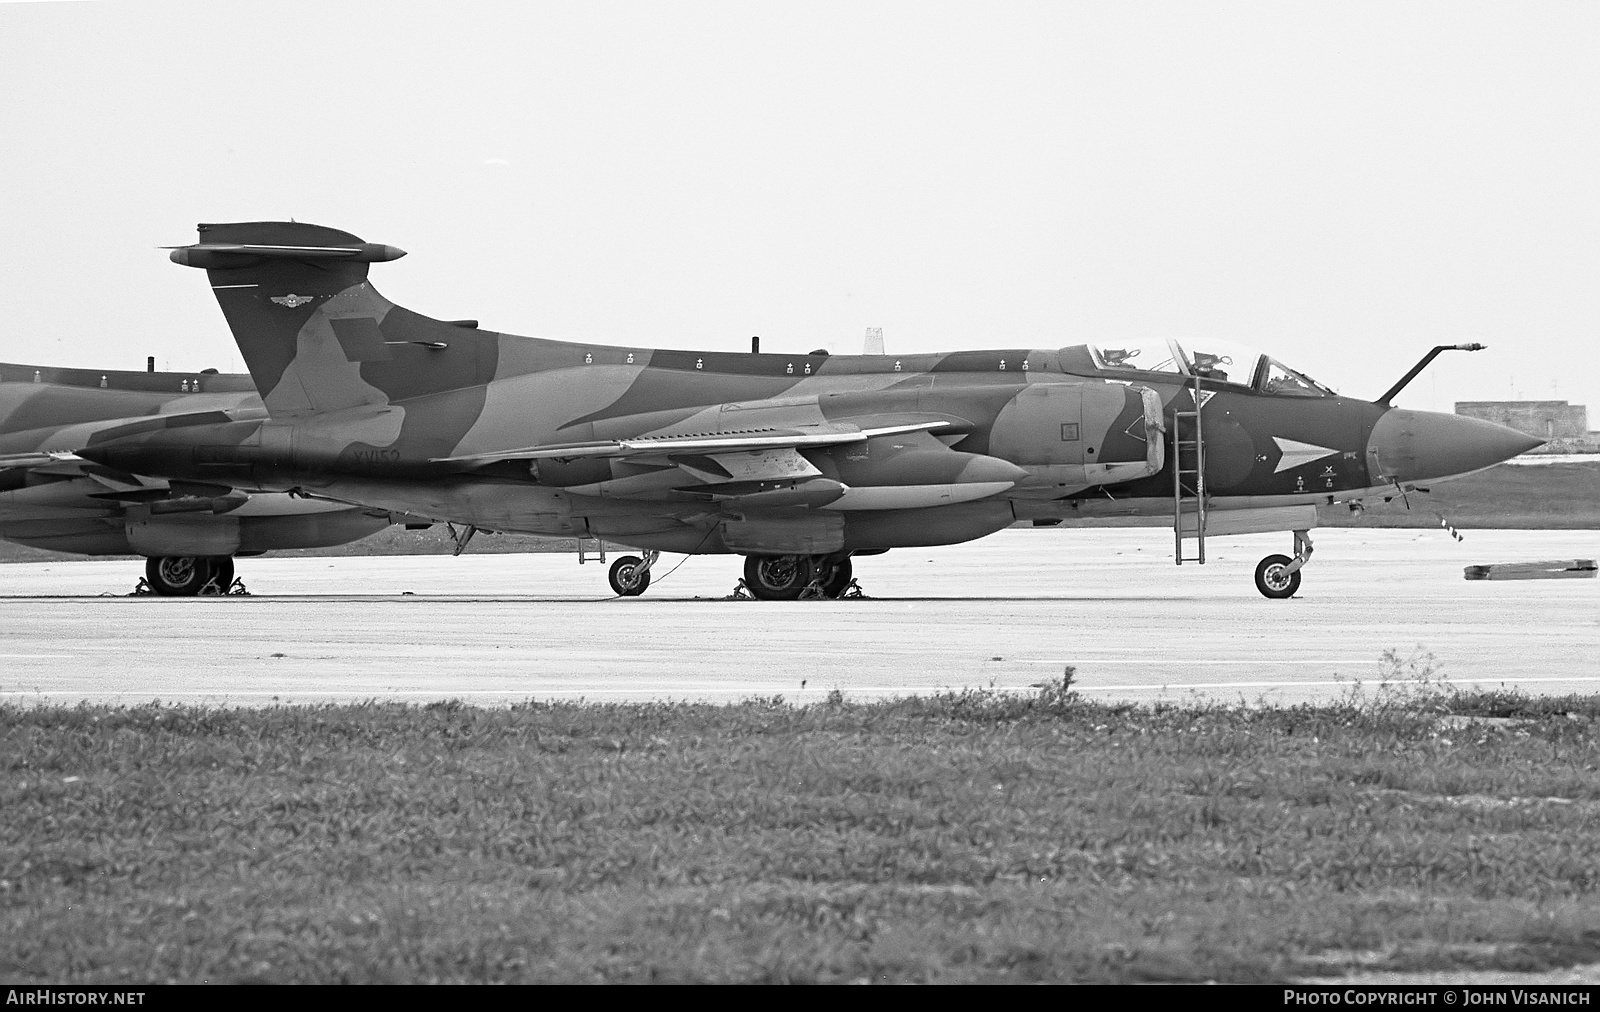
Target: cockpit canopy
{"x": 1215, "y": 361}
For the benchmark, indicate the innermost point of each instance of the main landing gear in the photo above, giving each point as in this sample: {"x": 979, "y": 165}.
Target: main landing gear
{"x": 1278, "y": 576}
{"x": 797, "y": 577}
{"x": 630, "y": 575}
{"x": 189, "y": 575}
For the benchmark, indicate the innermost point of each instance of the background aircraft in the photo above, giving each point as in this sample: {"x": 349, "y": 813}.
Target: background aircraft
{"x": 797, "y": 462}
{"x": 49, "y": 498}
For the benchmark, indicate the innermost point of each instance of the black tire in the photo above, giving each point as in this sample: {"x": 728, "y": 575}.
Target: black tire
{"x": 1272, "y": 581}
{"x": 626, "y": 579}
{"x": 838, "y": 579}
{"x": 177, "y": 575}
{"x": 777, "y": 577}
{"x": 220, "y": 569}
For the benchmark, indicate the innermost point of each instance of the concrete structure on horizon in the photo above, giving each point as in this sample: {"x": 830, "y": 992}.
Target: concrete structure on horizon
{"x": 1565, "y": 426}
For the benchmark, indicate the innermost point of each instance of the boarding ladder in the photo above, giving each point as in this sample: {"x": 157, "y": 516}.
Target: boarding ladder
{"x": 1189, "y": 480}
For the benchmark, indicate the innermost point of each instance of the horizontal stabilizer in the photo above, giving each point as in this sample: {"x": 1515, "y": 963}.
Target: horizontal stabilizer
{"x": 658, "y": 445}
{"x": 225, "y": 255}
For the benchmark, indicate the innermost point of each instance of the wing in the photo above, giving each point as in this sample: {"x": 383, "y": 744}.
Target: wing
{"x": 762, "y": 439}
{"x": 46, "y": 461}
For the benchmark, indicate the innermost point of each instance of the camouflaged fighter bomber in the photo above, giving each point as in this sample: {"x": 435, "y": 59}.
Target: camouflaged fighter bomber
{"x": 190, "y": 532}
{"x": 797, "y": 462}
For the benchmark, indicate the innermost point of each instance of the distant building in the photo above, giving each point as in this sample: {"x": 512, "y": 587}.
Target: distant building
{"x": 1564, "y": 426}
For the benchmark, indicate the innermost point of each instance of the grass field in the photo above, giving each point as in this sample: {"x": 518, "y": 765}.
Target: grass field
{"x": 972, "y": 837}
{"x": 1561, "y": 496}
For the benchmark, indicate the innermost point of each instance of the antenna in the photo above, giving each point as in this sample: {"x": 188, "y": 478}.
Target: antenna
{"x": 874, "y": 342}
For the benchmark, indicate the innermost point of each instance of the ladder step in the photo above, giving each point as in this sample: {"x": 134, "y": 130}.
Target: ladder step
{"x": 1188, "y": 483}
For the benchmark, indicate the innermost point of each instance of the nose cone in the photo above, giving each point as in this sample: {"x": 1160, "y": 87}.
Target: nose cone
{"x": 1415, "y": 445}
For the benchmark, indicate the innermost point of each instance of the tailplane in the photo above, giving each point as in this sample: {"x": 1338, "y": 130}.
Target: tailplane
{"x": 314, "y": 333}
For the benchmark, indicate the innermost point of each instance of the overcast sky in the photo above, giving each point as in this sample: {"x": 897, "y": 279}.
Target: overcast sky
{"x": 1343, "y": 185}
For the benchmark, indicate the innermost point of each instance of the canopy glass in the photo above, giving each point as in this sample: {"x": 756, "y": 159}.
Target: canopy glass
{"x": 1217, "y": 361}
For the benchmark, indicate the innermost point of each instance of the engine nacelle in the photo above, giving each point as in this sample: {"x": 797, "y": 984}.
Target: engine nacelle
{"x": 1074, "y": 435}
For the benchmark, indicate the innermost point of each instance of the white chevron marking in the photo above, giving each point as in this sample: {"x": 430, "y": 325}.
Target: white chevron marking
{"x": 1296, "y": 453}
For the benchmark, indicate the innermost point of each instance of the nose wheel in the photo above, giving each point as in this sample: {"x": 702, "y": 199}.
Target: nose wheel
{"x": 630, "y": 575}
{"x": 1274, "y": 578}
{"x": 1278, "y": 576}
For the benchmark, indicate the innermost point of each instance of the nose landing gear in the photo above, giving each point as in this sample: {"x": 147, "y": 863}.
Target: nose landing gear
{"x": 1278, "y": 576}
{"x": 630, "y": 575}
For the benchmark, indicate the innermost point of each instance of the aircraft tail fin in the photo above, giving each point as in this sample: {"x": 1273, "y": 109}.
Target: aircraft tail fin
{"x": 316, "y": 336}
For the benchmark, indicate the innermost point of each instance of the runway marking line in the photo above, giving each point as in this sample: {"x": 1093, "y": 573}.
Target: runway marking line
{"x": 1196, "y": 660}
{"x": 788, "y": 692}
{"x": 522, "y": 693}
{"x": 1349, "y": 682}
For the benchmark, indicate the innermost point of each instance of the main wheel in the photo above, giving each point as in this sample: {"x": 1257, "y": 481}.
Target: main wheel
{"x": 1273, "y": 579}
{"x": 837, "y": 581}
{"x": 627, "y": 579}
{"x": 177, "y": 575}
{"x": 777, "y": 577}
{"x": 219, "y": 568}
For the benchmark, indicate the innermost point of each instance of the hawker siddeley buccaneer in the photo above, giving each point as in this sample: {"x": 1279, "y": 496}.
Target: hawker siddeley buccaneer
{"x": 797, "y": 462}
{"x": 190, "y": 531}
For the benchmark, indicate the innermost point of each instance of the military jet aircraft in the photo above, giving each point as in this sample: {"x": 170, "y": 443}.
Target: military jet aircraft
{"x": 797, "y": 462}
{"x": 190, "y": 532}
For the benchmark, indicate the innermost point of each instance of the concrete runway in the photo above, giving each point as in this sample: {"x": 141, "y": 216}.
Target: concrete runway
{"x": 1008, "y": 611}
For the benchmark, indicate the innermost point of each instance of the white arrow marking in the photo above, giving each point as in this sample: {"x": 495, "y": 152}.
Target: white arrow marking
{"x": 1295, "y": 454}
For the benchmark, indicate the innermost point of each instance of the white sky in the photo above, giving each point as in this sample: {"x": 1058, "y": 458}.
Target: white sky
{"x": 1343, "y": 184}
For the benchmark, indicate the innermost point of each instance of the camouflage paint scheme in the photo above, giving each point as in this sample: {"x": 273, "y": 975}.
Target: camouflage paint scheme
{"x": 50, "y": 499}
{"x": 758, "y": 454}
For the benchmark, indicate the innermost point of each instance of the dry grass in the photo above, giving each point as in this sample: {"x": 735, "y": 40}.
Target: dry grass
{"x": 968, "y": 837}
{"x": 1563, "y": 496}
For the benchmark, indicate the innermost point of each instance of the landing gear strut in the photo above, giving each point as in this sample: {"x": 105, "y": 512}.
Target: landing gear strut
{"x": 834, "y": 580}
{"x": 221, "y": 575}
{"x": 630, "y": 575}
{"x": 1278, "y": 576}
